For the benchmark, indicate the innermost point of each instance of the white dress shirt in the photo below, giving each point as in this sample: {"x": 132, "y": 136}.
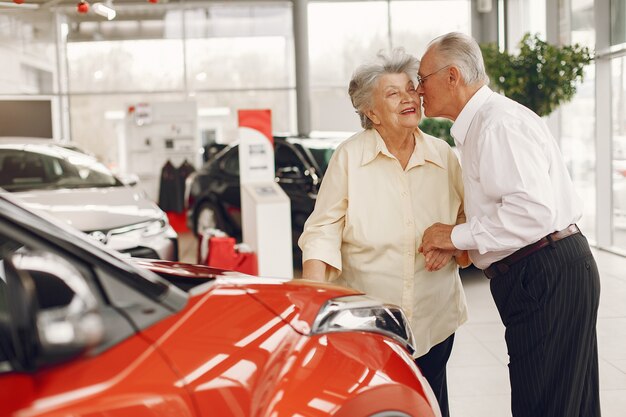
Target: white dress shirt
{"x": 517, "y": 188}
{"x": 368, "y": 223}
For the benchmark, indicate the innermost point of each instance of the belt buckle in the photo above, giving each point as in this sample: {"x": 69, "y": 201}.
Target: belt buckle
{"x": 502, "y": 267}
{"x": 496, "y": 269}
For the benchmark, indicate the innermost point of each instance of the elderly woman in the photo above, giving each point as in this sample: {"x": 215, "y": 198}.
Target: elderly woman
{"x": 383, "y": 187}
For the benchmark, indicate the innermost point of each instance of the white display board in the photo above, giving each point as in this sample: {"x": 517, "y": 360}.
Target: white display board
{"x": 156, "y": 133}
{"x": 265, "y": 208}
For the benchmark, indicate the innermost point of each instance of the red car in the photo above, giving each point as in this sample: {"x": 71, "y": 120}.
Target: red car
{"x": 84, "y": 332}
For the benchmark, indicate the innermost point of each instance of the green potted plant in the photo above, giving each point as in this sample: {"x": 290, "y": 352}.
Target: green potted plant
{"x": 541, "y": 77}
{"x": 437, "y": 127}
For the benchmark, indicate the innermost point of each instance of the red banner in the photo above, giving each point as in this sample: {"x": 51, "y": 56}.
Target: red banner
{"x": 258, "y": 119}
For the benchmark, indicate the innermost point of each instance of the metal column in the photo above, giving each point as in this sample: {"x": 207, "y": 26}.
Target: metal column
{"x": 485, "y": 24}
{"x": 301, "y": 46}
{"x": 604, "y": 157}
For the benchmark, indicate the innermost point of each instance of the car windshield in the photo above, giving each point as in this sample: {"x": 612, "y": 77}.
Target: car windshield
{"x": 32, "y": 167}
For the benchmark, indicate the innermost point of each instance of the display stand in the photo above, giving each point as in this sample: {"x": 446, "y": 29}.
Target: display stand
{"x": 265, "y": 208}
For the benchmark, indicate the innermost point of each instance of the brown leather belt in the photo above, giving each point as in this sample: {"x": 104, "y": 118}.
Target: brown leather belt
{"x": 502, "y": 266}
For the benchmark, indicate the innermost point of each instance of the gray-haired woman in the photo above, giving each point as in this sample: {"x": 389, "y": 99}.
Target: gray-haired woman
{"x": 383, "y": 187}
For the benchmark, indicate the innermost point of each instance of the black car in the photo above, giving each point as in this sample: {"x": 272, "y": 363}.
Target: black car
{"x": 214, "y": 193}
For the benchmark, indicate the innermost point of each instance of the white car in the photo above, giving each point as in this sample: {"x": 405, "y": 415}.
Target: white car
{"x": 79, "y": 190}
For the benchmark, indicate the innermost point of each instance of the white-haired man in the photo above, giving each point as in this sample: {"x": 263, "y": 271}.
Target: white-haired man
{"x": 521, "y": 211}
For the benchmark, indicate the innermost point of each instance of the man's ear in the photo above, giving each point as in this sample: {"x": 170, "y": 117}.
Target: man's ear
{"x": 454, "y": 76}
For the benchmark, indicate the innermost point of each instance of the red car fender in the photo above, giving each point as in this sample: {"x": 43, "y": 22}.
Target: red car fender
{"x": 332, "y": 375}
{"x": 372, "y": 400}
{"x": 227, "y": 360}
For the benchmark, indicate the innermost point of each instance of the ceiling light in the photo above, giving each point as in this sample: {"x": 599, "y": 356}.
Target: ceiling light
{"x": 104, "y": 10}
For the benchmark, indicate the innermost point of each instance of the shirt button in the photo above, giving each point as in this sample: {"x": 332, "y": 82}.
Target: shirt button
{"x": 404, "y": 193}
{"x": 409, "y": 222}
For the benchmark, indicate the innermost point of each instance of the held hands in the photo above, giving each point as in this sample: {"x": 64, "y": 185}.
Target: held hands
{"x": 436, "y": 259}
{"x": 437, "y": 246}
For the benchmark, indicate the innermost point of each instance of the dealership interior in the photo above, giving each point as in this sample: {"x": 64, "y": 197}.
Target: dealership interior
{"x": 154, "y": 94}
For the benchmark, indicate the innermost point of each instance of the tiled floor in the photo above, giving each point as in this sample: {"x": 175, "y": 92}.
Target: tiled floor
{"x": 477, "y": 371}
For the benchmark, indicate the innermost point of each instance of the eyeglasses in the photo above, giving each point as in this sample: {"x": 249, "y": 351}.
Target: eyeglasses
{"x": 421, "y": 80}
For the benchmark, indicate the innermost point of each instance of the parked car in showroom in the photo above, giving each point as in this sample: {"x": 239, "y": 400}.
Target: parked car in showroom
{"x": 213, "y": 193}
{"x": 78, "y": 189}
{"x": 87, "y": 332}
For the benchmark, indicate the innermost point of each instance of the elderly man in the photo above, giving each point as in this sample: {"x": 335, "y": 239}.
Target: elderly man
{"x": 521, "y": 211}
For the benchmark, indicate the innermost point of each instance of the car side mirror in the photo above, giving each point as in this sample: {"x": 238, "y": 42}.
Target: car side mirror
{"x": 129, "y": 180}
{"x": 52, "y": 313}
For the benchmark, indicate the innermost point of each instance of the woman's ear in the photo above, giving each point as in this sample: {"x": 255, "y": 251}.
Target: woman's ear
{"x": 372, "y": 116}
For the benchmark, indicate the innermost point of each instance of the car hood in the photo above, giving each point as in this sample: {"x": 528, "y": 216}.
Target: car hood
{"x": 92, "y": 209}
{"x": 297, "y": 302}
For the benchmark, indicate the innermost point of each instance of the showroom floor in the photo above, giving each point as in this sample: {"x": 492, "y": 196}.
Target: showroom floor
{"x": 477, "y": 372}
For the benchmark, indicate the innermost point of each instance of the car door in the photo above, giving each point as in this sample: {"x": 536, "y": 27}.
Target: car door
{"x": 69, "y": 350}
{"x": 227, "y": 188}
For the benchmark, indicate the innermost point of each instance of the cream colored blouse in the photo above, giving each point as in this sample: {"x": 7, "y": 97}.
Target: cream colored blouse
{"x": 368, "y": 223}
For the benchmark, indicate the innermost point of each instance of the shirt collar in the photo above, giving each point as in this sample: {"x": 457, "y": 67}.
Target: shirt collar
{"x": 423, "y": 152}
{"x": 464, "y": 120}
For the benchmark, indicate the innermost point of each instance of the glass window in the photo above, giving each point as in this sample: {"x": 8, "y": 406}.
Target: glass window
{"x": 525, "y": 16}
{"x": 239, "y": 46}
{"x": 618, "y": 22}
{"x": 239, "y": 63}
{"x": 236, "y": 56}
{"x": 339, "y": 45}
{"x": 118, "y": 66}
{"x": 415, "y": 23}
{"x": 619, "y": 151}
{"x": 578, "y": 120}
{"x": 27, "y": 42}
{"x": 343, "y": 35}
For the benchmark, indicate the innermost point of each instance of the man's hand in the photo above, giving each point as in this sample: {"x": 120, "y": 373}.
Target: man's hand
{"x": 437, "y": 236}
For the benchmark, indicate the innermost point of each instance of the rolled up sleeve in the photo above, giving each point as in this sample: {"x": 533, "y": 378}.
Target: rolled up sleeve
{"x": 322, "y": 235}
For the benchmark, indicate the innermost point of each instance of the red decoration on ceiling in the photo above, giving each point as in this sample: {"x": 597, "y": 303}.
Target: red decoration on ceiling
{"x": 18, "y": 1}
{"x": 82, "y": 6}
{"x": 153, "y": 1}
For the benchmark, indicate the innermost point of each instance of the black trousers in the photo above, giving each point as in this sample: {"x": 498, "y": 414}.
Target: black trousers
{"x": 433, "y": 367}
{"x": 548, "y": 303}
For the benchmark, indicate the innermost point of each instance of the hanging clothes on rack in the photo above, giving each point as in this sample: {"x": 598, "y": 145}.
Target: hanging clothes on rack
{"x": 170, "y": 190}
{"x": 184, "y": 170}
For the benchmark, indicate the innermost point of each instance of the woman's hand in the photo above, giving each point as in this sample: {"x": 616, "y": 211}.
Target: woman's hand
{"x": 437, "y": 258}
